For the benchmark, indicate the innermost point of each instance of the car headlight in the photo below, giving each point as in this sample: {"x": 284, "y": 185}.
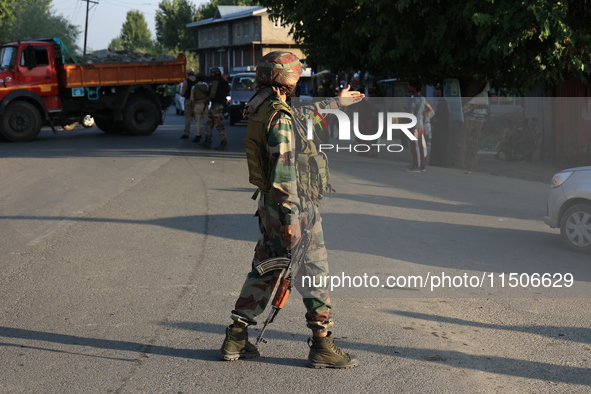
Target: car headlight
{"x": 560, "y": 178}
{"x": 235, "y": 102}
{"x": 228, "y": 98}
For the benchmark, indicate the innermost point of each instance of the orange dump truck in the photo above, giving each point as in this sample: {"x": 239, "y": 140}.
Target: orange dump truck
{"x": 41, "y": 84}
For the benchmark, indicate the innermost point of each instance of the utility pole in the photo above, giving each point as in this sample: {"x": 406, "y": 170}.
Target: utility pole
{"x": 86, "y": 26}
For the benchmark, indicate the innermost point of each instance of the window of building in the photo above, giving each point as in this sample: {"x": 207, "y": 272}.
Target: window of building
{"x": 238, "y": 30}
{"x": 246, "y": 29}
{"x": 256, "y": 33}
{"x": 224, "y": 33}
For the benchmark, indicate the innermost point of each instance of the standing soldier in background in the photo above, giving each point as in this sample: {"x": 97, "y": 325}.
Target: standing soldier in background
{"x": 217, "y": 97}
{"x": 186, "y": 93}
{"x": 327, "y": 89}
{"x": 199, "y": 102}
{"x": 281, "y": 162}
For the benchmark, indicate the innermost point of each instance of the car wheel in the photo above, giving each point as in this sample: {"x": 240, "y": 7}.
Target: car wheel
{"x": 234, "y": 119}
{"x": 575, "y": 228}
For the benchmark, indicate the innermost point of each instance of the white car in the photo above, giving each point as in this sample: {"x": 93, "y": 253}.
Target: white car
{"x": 179, "y": 101}
{"x": 569, "y": 207}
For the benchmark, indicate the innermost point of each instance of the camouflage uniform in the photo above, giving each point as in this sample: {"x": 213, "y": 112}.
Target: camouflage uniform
{"x": 216, "y": 111}
{"x": 282, "y": 205}
{"x": 288, "y": 198}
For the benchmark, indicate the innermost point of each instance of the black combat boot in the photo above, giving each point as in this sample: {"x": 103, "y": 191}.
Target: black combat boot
{"x": 197, "y": 138}
{"x": 236, "y": 345}
{"x": 325, "y": 354}
{"x": 222, "y": 146}
{"x": 207, "y": 143}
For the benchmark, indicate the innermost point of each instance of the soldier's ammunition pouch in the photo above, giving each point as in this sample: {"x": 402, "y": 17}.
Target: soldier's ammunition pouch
{"x": 312, "y": 170}
{"x": 257, "y": 171}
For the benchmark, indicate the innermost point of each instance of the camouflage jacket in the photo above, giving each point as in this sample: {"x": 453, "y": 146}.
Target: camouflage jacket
{"x": 281, "y": 148}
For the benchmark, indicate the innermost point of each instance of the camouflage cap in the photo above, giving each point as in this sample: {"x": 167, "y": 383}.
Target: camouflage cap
{"x": 281, "y": 69}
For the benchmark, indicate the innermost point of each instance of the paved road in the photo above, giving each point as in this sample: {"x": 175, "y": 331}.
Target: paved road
{"x": 121, "y": 258}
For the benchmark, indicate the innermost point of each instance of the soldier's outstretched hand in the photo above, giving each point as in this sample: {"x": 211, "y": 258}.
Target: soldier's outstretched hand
{"x": 348, "y": 97}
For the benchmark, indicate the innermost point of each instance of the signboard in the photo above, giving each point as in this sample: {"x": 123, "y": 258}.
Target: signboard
{"x": 451, "y": 92}
{"x": 477, "y": 108}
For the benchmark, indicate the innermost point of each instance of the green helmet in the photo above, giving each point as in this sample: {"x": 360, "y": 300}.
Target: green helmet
{"x": 281, "y": 69}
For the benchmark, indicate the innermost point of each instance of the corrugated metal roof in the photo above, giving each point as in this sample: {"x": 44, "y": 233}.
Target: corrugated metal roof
{"x": 225, "y": 10}
{"x": 226, "y": 13}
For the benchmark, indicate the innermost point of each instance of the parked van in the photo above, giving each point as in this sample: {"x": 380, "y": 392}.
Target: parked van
{"x": 243, "y": 85}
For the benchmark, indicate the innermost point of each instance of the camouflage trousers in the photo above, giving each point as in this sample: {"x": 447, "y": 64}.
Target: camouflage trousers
{"x": 257, "y": 289}
{"x": 215, "y": 118}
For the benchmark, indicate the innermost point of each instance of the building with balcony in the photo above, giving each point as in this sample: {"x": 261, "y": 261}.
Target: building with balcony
{"x": 237, "y": 37}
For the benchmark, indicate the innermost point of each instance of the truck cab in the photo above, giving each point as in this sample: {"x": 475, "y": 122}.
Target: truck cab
{"x": 28, "y": 88}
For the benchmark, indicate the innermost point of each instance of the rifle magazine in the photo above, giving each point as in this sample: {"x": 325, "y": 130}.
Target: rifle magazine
{"x": 272, "y": 264}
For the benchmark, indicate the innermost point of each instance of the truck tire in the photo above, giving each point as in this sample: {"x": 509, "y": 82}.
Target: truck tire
{"x": 108, "y": 125}
{"x": 140, "y": 116}
{"x": 20, "y": 122}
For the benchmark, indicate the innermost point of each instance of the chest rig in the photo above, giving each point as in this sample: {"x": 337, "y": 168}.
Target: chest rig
{"x": 311, "y": 166}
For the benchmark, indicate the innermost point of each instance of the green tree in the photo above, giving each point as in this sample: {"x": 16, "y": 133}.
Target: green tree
{"x": 516, "y": 44}
{"x": 135, "y": 33}
{"x": 6, "y": 11}
{"x": 172, "y": 18}
{"x": 116, "y": 44}
{"x": 37, "y": 13}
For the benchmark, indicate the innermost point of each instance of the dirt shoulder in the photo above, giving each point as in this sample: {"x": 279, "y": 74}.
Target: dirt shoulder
{"x": 537, "y": 172}
{"x": 488, "y": 164}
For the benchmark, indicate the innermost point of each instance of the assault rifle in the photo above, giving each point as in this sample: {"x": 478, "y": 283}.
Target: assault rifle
{"x": 289, "y": 266}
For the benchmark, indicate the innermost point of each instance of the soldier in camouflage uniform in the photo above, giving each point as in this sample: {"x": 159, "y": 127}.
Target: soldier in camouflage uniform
{"x": 218, "y": 91}
{"x": 283, "y": 210}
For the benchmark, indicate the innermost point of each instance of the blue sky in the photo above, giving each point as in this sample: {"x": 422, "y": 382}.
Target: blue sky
{"x": 105, "y": 18}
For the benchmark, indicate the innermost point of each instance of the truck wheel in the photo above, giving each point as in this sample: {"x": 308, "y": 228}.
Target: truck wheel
{"x": 108, "y": 125}
{"x": 140, "y": 116}
{"x": 20, "y": 122}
